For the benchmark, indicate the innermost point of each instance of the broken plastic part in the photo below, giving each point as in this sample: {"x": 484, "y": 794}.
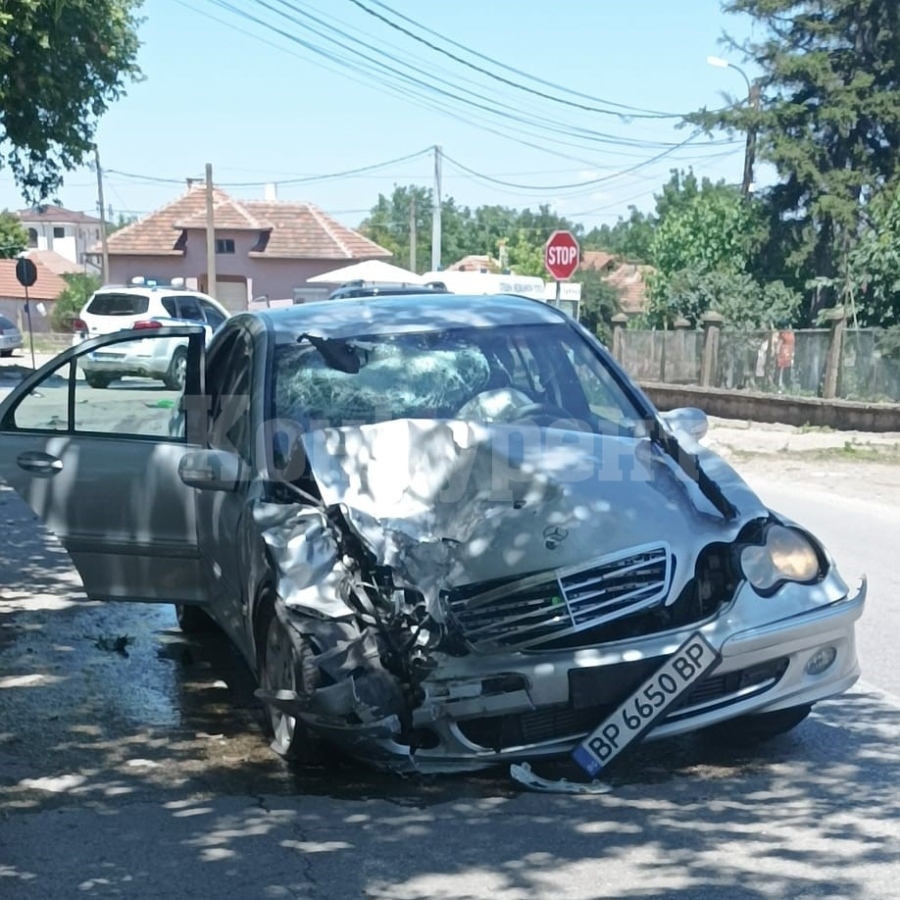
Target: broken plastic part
{"x": 523, "y": 774}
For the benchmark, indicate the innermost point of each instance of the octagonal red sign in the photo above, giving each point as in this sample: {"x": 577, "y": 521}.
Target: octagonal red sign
{"x": 562, "y": 255}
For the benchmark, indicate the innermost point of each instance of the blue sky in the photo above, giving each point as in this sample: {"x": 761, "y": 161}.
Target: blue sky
{"x": 260, "y": 107}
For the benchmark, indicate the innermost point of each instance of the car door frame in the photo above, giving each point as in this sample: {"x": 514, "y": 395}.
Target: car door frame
{"x": 130, "y": 555}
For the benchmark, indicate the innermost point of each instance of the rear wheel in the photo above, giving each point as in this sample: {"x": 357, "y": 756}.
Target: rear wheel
{"x": 177, "y": 372}
{"x": 759, "y": 728}
{"x": 285, "y": 663}
{"x": 97, "y": 381}
{"x": 6, "y": 352}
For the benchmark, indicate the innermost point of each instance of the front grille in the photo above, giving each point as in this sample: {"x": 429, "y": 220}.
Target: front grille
{"x": 569, "y": 721}
{"x": 530, "y": 612}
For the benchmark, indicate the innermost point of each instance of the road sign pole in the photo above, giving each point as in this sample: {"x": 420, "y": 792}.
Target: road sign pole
{"x": 558, "y": 293}
{"x": 30, "y": 329}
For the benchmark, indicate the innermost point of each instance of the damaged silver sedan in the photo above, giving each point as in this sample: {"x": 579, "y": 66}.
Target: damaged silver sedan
{"x": 445, "y": 532}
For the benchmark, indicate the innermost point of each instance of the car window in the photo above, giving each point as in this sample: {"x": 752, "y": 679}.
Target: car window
{"x": 189, "y": 309}
{"x": 170, "y": 305}
{"x": 228, "y": 379}
{"x": 475, "y": 374}
{"x": 118, "y": 304}
{"x": 6, "y": 323}
{"x": 64, "y": 401}
{"x": 213, "y": 317}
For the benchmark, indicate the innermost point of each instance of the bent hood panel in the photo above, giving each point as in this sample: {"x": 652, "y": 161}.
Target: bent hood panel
{"x": 481, "y": 502}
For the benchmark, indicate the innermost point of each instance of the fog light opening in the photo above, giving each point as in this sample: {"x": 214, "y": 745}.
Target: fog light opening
{"x": 821, "y": 660}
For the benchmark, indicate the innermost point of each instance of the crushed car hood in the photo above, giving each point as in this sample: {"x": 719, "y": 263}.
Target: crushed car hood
{"x": 450, "y": 503}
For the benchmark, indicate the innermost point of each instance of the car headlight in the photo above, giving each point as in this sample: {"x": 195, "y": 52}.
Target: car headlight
{"x": 785, "y": 555}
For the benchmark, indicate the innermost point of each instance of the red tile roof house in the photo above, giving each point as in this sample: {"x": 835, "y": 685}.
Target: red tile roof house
{"x": 628, "y": 278}
{"x": 264, "y": 248}
{"x": 43, "y": 292}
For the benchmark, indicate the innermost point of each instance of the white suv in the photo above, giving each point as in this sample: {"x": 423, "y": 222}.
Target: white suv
{"x": 143, "y": 304}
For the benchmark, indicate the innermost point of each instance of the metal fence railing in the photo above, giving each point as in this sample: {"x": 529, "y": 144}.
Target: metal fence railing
{"x": 792, "y": 362}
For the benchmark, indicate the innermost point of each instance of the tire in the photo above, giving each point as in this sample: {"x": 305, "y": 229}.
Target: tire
{"x": 193, "y": 619}
{"x": 97, "y": 381}
{"x": 6, "y": 353}
{"x": 177, "y": 372}
{"x": 285, "y": 662}
{"x": 759, "y": 728}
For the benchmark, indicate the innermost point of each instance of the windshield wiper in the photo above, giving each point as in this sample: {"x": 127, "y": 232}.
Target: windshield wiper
{"x": 337, "y": 354}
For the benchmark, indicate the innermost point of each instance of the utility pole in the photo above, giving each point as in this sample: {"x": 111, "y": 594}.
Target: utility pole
{"x": 104, "y": 246}
{"x": 753, "y": 97}
{"x": 413, "y": 234}
{"x": 210, "y": 235}
{"x": 436, "y": 214}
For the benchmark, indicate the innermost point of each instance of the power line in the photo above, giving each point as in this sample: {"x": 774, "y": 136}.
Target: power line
{"x": 563, "y": 187}
{"x": 519, "y": 72}
{"x": 473, "y": 99}
{"x": 407, "y": 90}
{"x": 303, "y": 180}
{"x": 634, "y": 113}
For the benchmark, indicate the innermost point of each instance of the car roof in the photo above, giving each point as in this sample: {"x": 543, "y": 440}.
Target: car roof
{"x": 392, "y": 314}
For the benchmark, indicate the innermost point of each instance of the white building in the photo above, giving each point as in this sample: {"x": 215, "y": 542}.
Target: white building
{"x": 66, "y": 232}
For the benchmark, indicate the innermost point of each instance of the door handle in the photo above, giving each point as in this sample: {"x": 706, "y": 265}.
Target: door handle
{"x": 39, "y": 463}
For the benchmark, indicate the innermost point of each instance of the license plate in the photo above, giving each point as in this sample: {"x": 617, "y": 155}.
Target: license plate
{"x": 690, "y": 662}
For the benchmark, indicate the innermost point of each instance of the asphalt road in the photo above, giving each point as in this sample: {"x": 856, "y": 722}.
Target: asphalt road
{"x": 132, "y": 764}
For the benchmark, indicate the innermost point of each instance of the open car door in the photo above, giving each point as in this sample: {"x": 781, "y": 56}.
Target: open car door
{"x": 99, "y": 465}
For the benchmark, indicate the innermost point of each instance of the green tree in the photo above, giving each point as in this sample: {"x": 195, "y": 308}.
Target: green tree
{"x": 62, "y": 62}
{"x": 71, "y": 301}
{"x": 629, "y": 238}
{"x": 744, "y": 302}
{"x": 872, "y": 284}
{"x": 710, "y": 231}
{"x": 828, "y": 120}
{"x": 599, "y": 302}
{"x": 121, "y": 222}
{"x": 13, "y": 236}
{"x": 526, "y": 257}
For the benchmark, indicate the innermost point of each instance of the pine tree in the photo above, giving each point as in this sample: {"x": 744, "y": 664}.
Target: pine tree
{"x": 829, "y": 120}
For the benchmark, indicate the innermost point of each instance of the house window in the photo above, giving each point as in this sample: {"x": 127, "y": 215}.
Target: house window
{"x": 32, "y": 237}
{"x": 224, "y": 245}
{"x": 59, "y": 231}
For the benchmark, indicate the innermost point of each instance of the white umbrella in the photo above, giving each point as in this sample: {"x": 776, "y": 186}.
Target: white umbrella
{"x": 373, "y": 271}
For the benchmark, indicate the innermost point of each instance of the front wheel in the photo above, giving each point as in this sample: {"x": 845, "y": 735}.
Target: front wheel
{"x": 6, "y": 353}
{"x": 285, "y": 663}
{"x": 97, "y": 381}
{"x": 756, "y": 729}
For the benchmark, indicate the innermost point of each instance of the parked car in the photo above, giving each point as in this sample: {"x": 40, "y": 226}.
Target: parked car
{"x": 363, "y": 289}
{"x": 143, "y": 305}
{"x": 444, "y": 531}
{"x": 10, "y": 337}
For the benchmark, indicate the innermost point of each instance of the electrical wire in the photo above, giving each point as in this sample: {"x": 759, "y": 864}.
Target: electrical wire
{"x": 519, "y": 72}
{"x": 633, "y": 112}
{"x": 303, "y": 180}
{"x": 469, "y": 118}
{"x": 473, "y": 99}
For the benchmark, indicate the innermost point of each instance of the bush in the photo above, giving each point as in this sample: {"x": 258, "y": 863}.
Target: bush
{"x": 71, "y": 301}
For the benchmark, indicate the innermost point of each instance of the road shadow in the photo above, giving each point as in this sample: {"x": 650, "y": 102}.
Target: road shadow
{"x": 137, "y": 755}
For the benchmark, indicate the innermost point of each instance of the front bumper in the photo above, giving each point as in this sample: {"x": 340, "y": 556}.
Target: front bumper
{"x": 549, "y": 702}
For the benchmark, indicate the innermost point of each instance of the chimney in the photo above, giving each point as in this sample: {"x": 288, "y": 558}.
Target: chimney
{"x": 271, "y": 191}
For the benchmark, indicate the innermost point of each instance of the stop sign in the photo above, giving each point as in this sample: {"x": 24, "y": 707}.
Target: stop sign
{"x": 561, "y": 255}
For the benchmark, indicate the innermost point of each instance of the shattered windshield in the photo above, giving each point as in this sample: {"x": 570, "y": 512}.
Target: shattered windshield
{"x": 500, "y": 374}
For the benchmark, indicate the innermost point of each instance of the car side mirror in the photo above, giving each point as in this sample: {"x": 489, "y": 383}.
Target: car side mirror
{"x": 687, "y": 421}
{"x": 213, "y": 470}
